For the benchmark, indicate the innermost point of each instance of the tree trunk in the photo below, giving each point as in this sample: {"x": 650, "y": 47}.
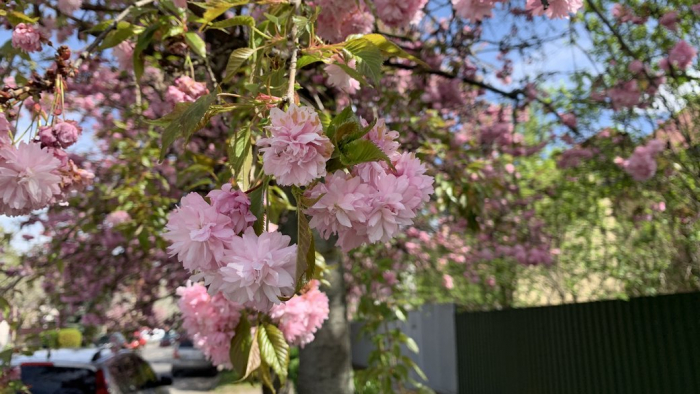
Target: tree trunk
{"x": 325, "y": 364}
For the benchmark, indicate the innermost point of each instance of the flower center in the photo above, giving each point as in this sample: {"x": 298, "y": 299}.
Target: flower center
{"x": 202, "y": 234}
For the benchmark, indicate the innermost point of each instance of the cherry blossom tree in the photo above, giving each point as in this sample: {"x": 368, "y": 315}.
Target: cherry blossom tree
{"x": 267, "y": 161}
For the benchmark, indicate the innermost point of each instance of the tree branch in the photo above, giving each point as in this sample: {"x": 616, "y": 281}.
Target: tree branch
{"x": 513, "y": 94}
{"x": 294, "y": 51}
{"x": 92, "y": 47}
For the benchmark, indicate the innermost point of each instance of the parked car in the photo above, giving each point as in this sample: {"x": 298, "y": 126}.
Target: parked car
{"x": 89, "y": 371}
{"x": 169, "y": 339}
{"x": 188, "y": 360}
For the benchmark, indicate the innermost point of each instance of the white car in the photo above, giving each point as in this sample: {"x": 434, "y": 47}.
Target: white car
{"x": 188, "y": 360}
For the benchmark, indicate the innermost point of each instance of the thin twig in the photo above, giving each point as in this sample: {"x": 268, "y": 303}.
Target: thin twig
{"x": 294, "y": 50}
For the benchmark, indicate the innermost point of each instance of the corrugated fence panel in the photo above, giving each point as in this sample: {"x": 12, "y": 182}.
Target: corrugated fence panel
{"x": 648, "y": 345}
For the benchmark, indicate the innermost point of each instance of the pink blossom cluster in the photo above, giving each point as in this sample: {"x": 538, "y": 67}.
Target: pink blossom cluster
{"x": 642, "y": 164}
{"x": 27, "y": 38}
{"x": 573, "y": 157}
{"x": 210, "y": 321}
{"x": 68, "y": 7}
{"x": 337, "y": 77}
{"x": 474, "y": 10}
{"x": 124, "y": 54}
{"x": 625, "y": 95}
{"x": 185, "y": 90}
{"x": 341, "y": 18}
{"x": 199, "y": 231}
{"x": 669, "y": 20}
{"x": 558, "y": 9}
{"x": 297, "y": 150}
{"x": 39, "y": 173}
{"x": 60, "y": 135}
{"x": 300, "y": 317}
{"x": 625, "y": 14}
{"x": 680, "y": 57}
{"x": 117, "y": 217}
{"x": 370, "y": 203}
{"x": 249, "y": 269}
{"x": 399, "y": 13}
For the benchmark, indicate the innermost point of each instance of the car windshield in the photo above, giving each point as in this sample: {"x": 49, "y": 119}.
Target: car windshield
{"x": 47, "y": 379}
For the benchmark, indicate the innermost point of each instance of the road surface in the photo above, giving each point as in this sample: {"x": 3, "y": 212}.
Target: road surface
{"x": 161, "y": 360}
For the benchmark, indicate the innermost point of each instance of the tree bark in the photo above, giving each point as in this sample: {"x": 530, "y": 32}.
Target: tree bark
{"x": 325, "y": 364}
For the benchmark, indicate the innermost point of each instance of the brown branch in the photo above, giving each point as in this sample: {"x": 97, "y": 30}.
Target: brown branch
{"x": 513, "y": 94}
{"x": 92, "y": 47}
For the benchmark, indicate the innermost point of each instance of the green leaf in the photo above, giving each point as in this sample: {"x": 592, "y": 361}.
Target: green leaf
{"x": 142, "y": 43}
{"x": 306, "y": 249}
{"x": 274, "y": 349}
{"x": 16, "y": 17}
{"x": 369, "y": 57}
{"x": 4, "y": 308}
{"x": 264, "y": 375}
{"x": 240, "y": 20}
{"x": 6, "y": 357}
{"x": 343, "y": 117}
{"x": 240, "y": 156}
{"x": 411, "y": 345}
{"x": 257, "y": 207}
{"x": 362, "y": 151}
{"x": 196, "y": 43}
{"x": 102, "y": 26}
{"x": 176, "y": 113}
{"x": 116, "y": 37}
{"x": 191, "y": 120}
{"x": 306, "y": 60}
{"x": 236, "y": 60}
{"x": 215, "y": 8}
{"x": 389, "y": 48}
{"x": 242, "y": 345}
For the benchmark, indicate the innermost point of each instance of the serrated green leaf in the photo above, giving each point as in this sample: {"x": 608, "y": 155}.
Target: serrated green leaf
{"x": 306, "y": 250}
{"x": 362, "y": 151}
{"x": 256, "y": 205}
{"x": 274, "y": 349}
{"x": 306, "y": 60}
{"x": 173, "y": 115}
{"x": 369, "y": 57}
{"x": 197, "y": 44}
{"x": 346, "y": 115}
{"x": 142, "y": 43}
{"x": 240, "y": 156}
{"x": 265, "y": 378}
{"x": 389, "y": 48}
{"x": 240, "y": 20}
{"x": 116, "y": 37}
{"x": 191, "y": 120}
{"x": 243, "y": 346}
{"x": 236, "y": 60}
{"x": 355, "y": 74}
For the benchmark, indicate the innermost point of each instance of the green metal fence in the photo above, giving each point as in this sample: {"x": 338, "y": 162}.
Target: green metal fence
{"x": 645, "y": 345}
